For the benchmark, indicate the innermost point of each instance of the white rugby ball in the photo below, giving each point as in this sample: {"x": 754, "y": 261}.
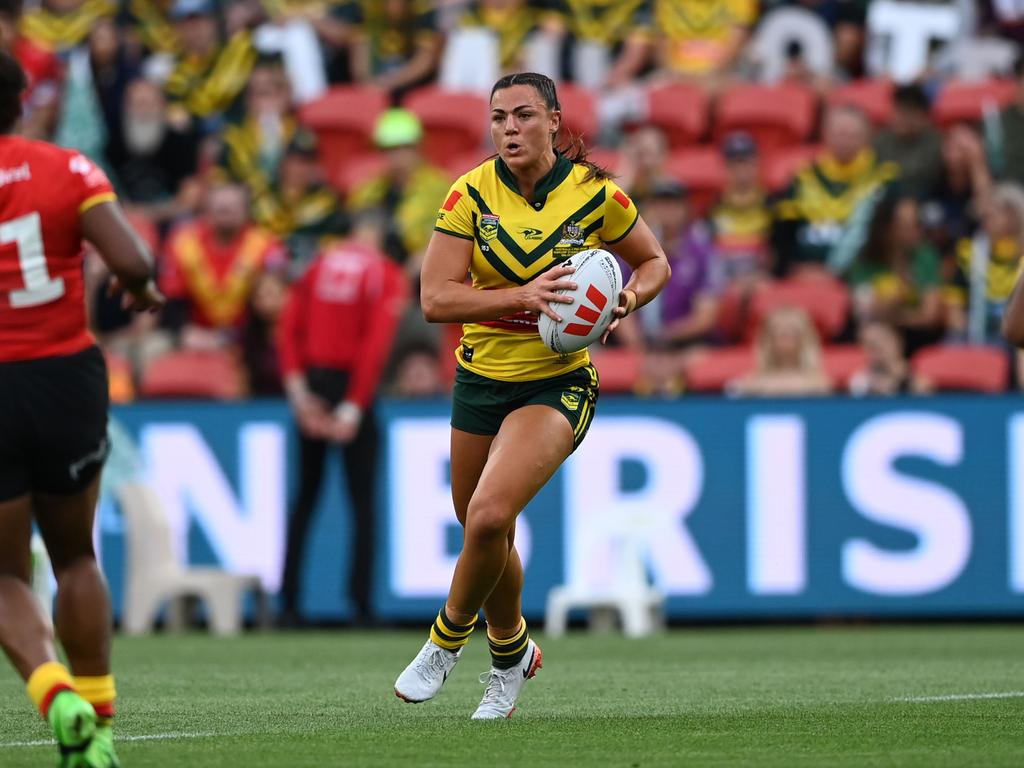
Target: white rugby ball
{"x": 599, "y": 281}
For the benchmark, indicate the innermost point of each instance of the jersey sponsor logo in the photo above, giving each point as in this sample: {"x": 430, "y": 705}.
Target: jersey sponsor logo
{"x": 94, "y": 177}
{"x": 571, "y": 400}
{"x": 531, "y": 233}
{"x": 12, "y": 175}
{"x": 467, "y": 353}
{"x": 620, "y": 198}
{"x": 489, "y": 226}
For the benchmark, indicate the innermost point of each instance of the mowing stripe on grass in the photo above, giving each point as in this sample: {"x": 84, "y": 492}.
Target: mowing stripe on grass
{"x": 964, "y": 696}
{"x": 140, "y": 737}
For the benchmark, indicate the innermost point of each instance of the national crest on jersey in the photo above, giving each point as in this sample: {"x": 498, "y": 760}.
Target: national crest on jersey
{"x": 515, "y": 240}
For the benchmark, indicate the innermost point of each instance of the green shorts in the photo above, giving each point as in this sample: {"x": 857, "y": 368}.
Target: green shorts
{"x": 479, "y": 404}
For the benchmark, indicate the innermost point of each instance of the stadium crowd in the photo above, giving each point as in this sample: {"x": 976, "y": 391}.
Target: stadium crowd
{"x": 839, "y": 192}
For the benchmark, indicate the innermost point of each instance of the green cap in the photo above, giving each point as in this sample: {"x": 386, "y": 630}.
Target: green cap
{"x": 397, "y": 128}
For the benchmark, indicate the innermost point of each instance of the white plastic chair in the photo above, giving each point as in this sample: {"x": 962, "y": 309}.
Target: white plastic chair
{"x": 154, "y": 576}
{"x": 639, "y": 605}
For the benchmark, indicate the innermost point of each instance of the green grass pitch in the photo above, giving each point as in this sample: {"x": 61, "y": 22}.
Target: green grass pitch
{"x": 701, "y": 697}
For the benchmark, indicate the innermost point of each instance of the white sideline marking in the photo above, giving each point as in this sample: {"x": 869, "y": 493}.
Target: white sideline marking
{"x": 964, "y": 696}
{"x": 141, "y": 737}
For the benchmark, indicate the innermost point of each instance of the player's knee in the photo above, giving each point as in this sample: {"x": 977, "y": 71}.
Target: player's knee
{"x": 489, "y": 519}
{"x": 73, "y": 565}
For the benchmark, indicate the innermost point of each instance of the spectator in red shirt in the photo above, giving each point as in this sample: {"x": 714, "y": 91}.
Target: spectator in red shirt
{"x": 336, "y": 334}
{"x": 210, "y": 266}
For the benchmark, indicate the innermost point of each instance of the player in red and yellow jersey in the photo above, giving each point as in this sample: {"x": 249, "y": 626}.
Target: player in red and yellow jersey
{"x": 518, "y": 408}
{"x": 53, "y": 420}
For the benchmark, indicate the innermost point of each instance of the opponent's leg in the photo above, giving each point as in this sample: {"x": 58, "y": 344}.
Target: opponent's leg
{"x": 83, "y": 616}
{"x": 27, "y": 636}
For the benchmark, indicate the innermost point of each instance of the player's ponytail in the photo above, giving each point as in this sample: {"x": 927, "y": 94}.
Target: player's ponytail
{"x": 570, "y": 145}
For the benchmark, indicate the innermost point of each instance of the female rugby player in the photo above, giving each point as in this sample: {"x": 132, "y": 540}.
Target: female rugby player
{"x": 519, "y": 409}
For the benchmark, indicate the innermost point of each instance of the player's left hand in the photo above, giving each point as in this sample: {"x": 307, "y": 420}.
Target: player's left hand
{"x": 145, "y": 299}
{"x": 627, "y": 303}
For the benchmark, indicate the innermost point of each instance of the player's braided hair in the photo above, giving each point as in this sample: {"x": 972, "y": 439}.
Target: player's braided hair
{"x": 12, "y": 83}
{"x": 572, "y": 145}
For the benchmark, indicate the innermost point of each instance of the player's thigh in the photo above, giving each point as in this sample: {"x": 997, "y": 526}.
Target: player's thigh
{"x": 68, "y": 399}
{"x": 529, "y": 448}
{"x": 66, "y": 523}
{"x": 15, "y": 537}
{"x": 469, "y": 454}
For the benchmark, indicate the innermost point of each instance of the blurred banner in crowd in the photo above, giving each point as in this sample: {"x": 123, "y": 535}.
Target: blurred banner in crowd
{"x": 744, "y": 509}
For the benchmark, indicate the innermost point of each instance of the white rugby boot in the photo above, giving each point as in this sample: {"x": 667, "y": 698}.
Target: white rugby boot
{"x": 504, "y": 685}
{"x": 423, "y": 678}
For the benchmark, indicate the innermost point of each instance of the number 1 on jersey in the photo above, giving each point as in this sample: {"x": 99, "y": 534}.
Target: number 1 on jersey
{"x": 27, "y": 235}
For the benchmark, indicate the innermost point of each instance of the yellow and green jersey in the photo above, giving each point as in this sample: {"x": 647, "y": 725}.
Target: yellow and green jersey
{"x": 514, "y": 241}
{"x": 606, "y": 21}
{"x": 63, "y": 31}
{"x": 205, "y": 85}
{"x": 698, "y": 33}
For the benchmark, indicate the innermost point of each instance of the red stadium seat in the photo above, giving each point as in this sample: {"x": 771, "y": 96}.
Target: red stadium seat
{"x": 453, "y": 122}
{"x": 961, "y": 102}
{"x": 680, "y": 110}
{"x": 193, "y": 374}
{"x": 841, "y": 362}
{"x": 358, "y": 170}
{"x": 974, "y": 368}
{"x": 873, "y": 97}
{"x": 780, "y": 166}
{"x": 711, "y": 370}
{"x": 619, "y": 369}
{"x": 608, "y": 159}
{"x": 579, "y": 112}
{"x": 702, "y": 170}
{"x": 343, "y": 121}
{"x": 775, "y": 115}
{"x": 825, "y": 299}
{"x": 459, "y": 164}
{"x": 733, "y": 309}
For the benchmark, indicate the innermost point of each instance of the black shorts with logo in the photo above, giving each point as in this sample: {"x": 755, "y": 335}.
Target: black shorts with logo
{"x": 53, "y": 423}
{"x": 480, "y": 404}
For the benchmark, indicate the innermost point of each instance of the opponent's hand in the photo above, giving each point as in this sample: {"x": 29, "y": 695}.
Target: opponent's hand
{"x": 627, "y": 303}
{"x": 538, "y": 294}
{"x": 145, "y": 299}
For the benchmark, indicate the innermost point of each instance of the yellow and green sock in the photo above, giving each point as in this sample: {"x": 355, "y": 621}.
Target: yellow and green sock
{"x": 508, "y": 651}
{"x": 448, "y": 634}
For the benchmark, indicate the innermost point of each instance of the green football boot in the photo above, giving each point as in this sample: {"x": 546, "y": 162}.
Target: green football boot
{"x": 73, "y": 721}
{"x": 100, "y": 753}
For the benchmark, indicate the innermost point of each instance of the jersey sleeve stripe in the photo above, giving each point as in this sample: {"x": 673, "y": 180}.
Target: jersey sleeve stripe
{"x": 92, "y": 202}
{"x": 622, "y": 237}
{"x": 454, "y": 234}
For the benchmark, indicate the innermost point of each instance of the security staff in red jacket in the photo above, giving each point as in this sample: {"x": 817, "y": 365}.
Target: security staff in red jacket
{"x": 336, "y": 334}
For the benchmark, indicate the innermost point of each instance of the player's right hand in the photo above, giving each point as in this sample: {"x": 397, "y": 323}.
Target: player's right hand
{"x": 538, "y": 294}
{"x": 145, "y": 299}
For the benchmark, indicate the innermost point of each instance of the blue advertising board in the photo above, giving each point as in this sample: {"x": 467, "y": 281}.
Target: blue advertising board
{"x": 741, "y": 509}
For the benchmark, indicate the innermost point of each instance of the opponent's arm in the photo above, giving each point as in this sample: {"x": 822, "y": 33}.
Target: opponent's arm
{"x": 446, "y": 298}
{"x": 105, "y": 226}
{"x": 642, "y": 251}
